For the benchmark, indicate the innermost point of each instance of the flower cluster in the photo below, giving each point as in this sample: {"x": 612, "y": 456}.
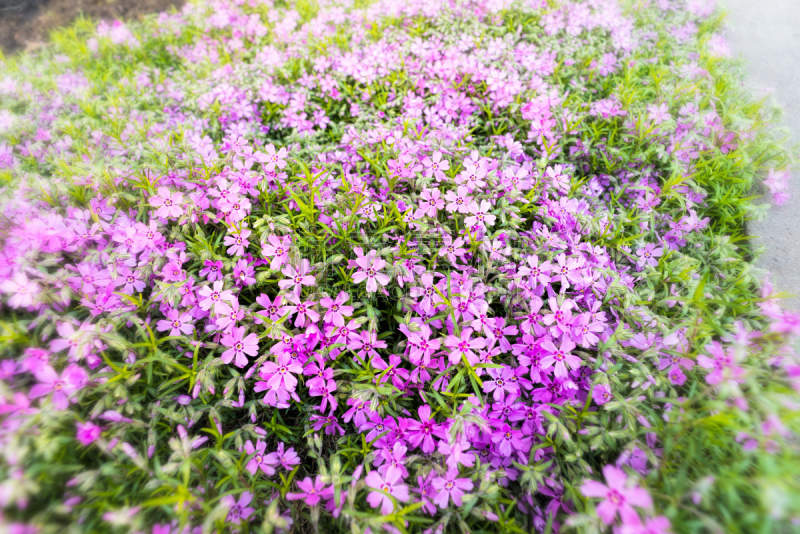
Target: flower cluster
{"x": 380, "y": 269}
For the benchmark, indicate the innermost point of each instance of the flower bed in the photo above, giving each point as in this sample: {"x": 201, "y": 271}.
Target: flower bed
{"x": 397, "y": 266}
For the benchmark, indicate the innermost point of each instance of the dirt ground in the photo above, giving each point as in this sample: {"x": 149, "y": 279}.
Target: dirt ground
{"x": 27, "y": 23}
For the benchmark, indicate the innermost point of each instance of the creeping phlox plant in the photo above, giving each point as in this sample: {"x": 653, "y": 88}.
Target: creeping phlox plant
{"x": 426, "y": 266}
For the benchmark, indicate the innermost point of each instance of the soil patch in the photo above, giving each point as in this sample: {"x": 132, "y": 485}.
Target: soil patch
{"x": 25, "y": 24}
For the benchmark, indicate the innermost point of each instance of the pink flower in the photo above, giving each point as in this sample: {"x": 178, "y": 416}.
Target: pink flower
{"x": 337, "y": 311}
{"x": 214, "y": 296}
{"x": 560, "y": 357}
{"x": 601, "y": 394}
{"x": 480, "y": 214}
{"x": 450, "y": 487}
{"x": 303, "y": 309}
{"x": 87, "y": 433}
{"x": 277, "y": 249}
{"x": 280, "y": 374}
{"x": 422, "y": 432}
{"x": 21, "y": 289}
{"x": 723, "y": 364}
{"x": 288, "y": 458}
{"x": 260, "y": 460}
{"x": 212, "y": 270}
{"x": 177, "y": 322}
{"x": 435, "y": 166}
{"x": 168, "y": 203}
{"x": 676, "y": 376}
{"x": 618, "y": 496}
{"x": 274, "y": 159}
{"x": 63, "y": 387}
{"x": 365, "y": 345}
{"x": 296, "y": 278}
{"x": 390, "y": 484}
{"x": 463, "y": 347}
{"x": 310, "y": 491}
{"x": 430, "y": 202}
{"x": 452, "y": 249}
{"x": 370, "y": 271}
{"x": 237, "y": 242}
{"x": 652, "y": 525}
{"x": 237, "y": 511}
{"x": 458, "y": 200}
{"x": 240, "y": 346}
{"x": 427, "y": 291}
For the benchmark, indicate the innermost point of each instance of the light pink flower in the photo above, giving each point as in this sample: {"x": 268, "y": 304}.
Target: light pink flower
{"x": 167, "y": 202}
{"x": 619, "y": 496}
{"x": 63, "y": 387}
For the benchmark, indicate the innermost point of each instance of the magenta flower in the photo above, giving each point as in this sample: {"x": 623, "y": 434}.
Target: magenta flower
{"x": 260, "y": 460}
{"x": 288, "y": 458}
{"x": 238, "y": 511}
{"x": 168, "y": 203}
{"x": 240, "y": 346}
{"x": 212, "y": 270}
{"x": 601, "y": 394}
{"x": 277, "y": 250}
{"x": 390, "y": 484}
{"x": 359, "y": 408}
{"x": 273, "y": 309}
{"x": 337, "y": 311}
{"x": 618, "y": 495}
{"x": 176, "y": 322}
{"x": 421, "y": 347}
{"x": 676, "y": 376}
{"x": 421, "y": 433}
{"x": 88, "y": 433}
{"x": 450, "y": 487}
{"x": 63, "y": 387}
{"x": 507, "y": 440}
{"x": 503, "y": 383}
{"x": 463, "y": 347}
{"x": 370, "y": 271}
{"x": 652, "y": 525}
{"x": 365, "y": 345}
{"x": 310, "y": 491}
{"x": 560, "y": 357}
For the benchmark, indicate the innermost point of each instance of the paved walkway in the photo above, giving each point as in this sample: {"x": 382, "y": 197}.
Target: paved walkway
{"x": 767, "y": 35}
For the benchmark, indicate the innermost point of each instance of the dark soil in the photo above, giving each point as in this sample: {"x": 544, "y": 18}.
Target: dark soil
{"x": 26, "y": 24}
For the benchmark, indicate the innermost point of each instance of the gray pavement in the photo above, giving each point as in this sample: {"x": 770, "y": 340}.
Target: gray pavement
{"x": 766, "y": 33}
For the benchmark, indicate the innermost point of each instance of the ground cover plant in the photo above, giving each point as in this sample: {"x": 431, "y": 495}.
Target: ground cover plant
{"x": 433, "y": 266}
